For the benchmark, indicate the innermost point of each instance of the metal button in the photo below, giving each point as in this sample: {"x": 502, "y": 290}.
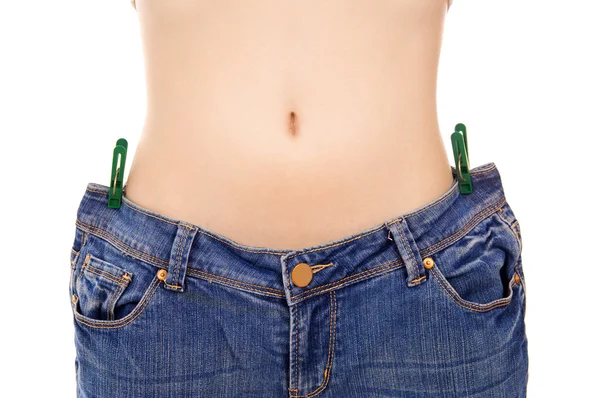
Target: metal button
{"x": 302, "y": 274}
{"x": 161, "y": 275}
{"x": 428, "y": 263}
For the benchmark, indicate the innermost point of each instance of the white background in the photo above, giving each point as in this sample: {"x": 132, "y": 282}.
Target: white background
{"x": 523, "y": 75}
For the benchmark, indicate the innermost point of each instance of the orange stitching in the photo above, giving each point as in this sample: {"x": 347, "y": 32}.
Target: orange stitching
{"x": 178, "y": 255}
{"x": 95, "y": 190}
{"x": 81, "y": 271}
{"x": 84, "y": 238}
{"x": 297, "y": 332}
{"x": 160, "y": 262}
{"x": 137, "y": 311}
{"x": 347, "y": 240}
{"x": 408, "y": 248}
{"x": 323, "y": 288}
{"x": 483, "y": 171}
{"x": 232, "y": 282}
{"x": 470, "y": 305}
{"x": 199, "y": 229}
{"x": 122, "y": 246}
{"x": 319, "y": 267}
{"x": 102, "y": 234}
{"x": 331, "y": 349}
{"x": 519, "y": 270}
{"x": 150, "y": 214}
{"x": 119, "y": 244}
{"x": 514, "y": 227}
{"x": 173, "y": 286}
{"x": 418, "y": 279}
{"x": 472, "y": 223}
{"x": 451, "y": 190}
{"x": 110, "y": 310}
{"x": 236, "y": 245}
{"x": 359, "y": 275}
{"x": 106, "y": 275}
{"x": 399, "y": 218}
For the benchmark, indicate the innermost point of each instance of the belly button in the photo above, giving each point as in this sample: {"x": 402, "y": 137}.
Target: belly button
{"x": 292, "y": 127}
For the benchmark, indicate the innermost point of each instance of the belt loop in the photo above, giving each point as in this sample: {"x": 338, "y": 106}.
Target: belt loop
{"x": 408, "y": 249}
{"x": 179, "y": 256}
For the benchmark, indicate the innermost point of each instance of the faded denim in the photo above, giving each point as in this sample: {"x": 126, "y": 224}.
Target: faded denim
{"x": 428, "y": 304}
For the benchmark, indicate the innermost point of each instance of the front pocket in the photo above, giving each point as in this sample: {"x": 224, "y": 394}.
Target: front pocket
{"x": 479, "y": 271}
{"x": 137, "y": 310}
{"x": 110, "y": 289}
{"x": 470, "y": 305}
{"x": 99, "y": 285}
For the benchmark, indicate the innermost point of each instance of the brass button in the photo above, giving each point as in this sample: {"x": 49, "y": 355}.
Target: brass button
{"x": 428, "y": 263}
{"x": 161, "y": 274}
{"x": 302, "y": 274}
{"x": 517, "y": 278}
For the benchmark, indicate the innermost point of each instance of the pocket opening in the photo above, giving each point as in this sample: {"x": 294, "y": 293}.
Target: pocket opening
{"x": 99, "y": 286}
{"x": 109, "y": 289}
{"x": 479, "y": 271}
{"x": 139, "y": 309}
{"x": 470, "y": 305}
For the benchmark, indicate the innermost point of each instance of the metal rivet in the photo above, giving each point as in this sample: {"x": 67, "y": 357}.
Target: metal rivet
{"x": 302, "y": 274}
{"x": 428, "y": 263}
{"x": 74, "y": 298}
{"x": 161, "y": 275}
{"x": 517, "y": 278}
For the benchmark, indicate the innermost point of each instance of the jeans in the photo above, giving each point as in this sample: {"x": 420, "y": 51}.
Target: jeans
{"x": 428, "y": 304}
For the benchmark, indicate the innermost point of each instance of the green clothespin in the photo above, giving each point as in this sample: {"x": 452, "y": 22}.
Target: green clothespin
{"x": 116, "y": 177}
{"x": 461, "y": 158}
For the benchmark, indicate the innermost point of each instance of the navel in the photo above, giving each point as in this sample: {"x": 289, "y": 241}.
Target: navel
{"x": 292, "y": 124}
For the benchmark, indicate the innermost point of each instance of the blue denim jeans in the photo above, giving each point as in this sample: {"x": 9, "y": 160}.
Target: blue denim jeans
{"x": 428, "y": 304}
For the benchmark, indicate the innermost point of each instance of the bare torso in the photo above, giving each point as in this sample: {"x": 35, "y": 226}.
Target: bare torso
{"x": 289, "y": 124}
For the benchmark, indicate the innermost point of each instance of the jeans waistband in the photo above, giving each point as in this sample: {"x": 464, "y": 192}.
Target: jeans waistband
{"x": 401, "y": 241}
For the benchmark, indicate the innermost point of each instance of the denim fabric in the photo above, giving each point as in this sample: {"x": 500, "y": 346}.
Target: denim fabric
{"x": 428, "y": 304}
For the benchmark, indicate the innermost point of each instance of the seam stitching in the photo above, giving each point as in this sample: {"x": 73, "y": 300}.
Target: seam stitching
{"x": 279, "y": 292}
{"x": 414, "y": 269}
{"x": 440, "y": 200}
{"x": 103, "y": 274}
{"x": 232, "y": 282}
{"x": 469, "y": 225}
{"x": 138, "y": 310}
{"x": 331, "y": 349}
{"x": 100, "y": 233}
{"x": 110, "y": 311}
{"x": 501, "y": 302}
{"x": 297, "y": 344}
{"x": 390, "y": 266}
{"x": 472, "y": 223}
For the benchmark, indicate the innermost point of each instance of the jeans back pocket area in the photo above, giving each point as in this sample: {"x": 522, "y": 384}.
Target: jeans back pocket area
{"x": 479, "y": 270}
{"x": 109, "y": 288}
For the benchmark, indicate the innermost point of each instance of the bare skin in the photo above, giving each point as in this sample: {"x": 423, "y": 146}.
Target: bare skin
{"x": 290, "y": 124}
